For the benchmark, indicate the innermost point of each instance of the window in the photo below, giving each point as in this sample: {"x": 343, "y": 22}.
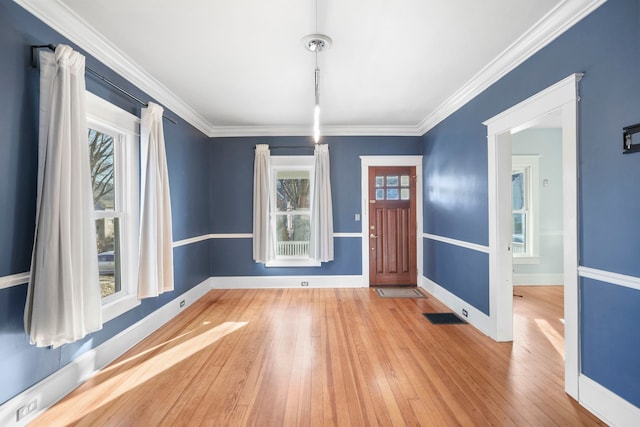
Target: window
{"x": 524, "y": 183}
{"x": 291, "y": 186}
{"x": 113, "y": 140}
{"x": 392, "y": 187}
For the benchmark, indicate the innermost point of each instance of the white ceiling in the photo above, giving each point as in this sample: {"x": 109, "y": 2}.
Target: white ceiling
{"x": 239, "y": 68}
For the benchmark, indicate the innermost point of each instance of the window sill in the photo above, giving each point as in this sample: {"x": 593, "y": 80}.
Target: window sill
{"x": 293, "y": 263}
{"x": 115, "y": 308}
{"x": 526, "y": 259}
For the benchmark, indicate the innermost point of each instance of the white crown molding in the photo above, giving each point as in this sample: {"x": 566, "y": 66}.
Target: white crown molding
{"x": 547, "y": 29}
{"x": 328, "y": 130}
{"x": 70, "y": 25}
{"x": 59, "y": 17}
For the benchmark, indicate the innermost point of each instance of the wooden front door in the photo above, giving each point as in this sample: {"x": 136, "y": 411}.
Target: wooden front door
{"x": 392, "y": 225}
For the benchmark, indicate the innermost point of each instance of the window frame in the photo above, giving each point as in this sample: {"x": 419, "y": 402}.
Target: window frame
{"x": 530, "y": 166}
{"x": 125, "y": 128}
{"x": 289, "y": 163}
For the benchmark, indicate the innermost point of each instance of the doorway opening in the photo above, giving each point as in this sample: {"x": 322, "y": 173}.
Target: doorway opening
{"x": 367, "y": 162}
{"x": 560, "y": 98}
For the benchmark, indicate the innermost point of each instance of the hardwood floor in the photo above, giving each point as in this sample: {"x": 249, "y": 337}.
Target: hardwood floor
{"x": 347, "y": 357}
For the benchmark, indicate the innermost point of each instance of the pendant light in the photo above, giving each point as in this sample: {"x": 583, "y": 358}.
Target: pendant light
{"x": 315, "y": 43}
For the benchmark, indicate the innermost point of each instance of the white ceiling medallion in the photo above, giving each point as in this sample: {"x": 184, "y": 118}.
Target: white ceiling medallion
{"x": 316, "y": 42}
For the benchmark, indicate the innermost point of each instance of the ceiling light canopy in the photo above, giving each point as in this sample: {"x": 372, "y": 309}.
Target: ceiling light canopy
{"x": 316, "y": 42}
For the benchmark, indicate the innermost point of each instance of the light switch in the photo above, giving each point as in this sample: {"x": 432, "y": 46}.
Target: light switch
{"x": 357, "y": 217}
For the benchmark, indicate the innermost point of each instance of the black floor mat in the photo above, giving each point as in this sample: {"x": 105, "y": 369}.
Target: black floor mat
{"x": 444, "y": 318}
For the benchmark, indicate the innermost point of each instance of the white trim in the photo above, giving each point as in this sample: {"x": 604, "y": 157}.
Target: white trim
{"x": 606, "y": 405}
{"x": 561, "y": 96}
{"x": 538, "y": 279}
{"x": 53, "y": 388}
{"x": 303, "y": 262}
{"x": 22, "y": 278}
{"x": 14, "y": 280}
{"x": 328, "y": 130}
{"x": 106, "y": 117}
{"x": 609, "y": 277}
{"x": 286, "y": 282}
{"x": 347, "y": 235}
{"x": 530, "y": 166}
{"x": 107, "y": 114}
{"x": 231, "y": 236}
{"x": 365, "y": 163}
{"x": 191, "y": 240}
{"x": 475, "y": 317}
{"x": 455, "y": 242}
{"x": 547, "y": 29}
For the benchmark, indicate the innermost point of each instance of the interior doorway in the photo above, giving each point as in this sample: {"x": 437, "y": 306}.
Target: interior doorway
{"x": 536, "y": 180}
{"x": 562, "y": 99}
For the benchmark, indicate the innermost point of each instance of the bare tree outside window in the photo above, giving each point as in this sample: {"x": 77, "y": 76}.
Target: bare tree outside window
{"x": 101, "y": 160}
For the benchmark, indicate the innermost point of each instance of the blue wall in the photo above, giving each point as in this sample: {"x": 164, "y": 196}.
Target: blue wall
{"x": 606, "y": 47}
{"x": 211, "y": 184}
{"x": 188, "y": 154}
{"x": 232, "y": 198}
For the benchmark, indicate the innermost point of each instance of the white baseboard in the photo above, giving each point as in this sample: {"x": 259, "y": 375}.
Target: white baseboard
{"x": 475, "y": 317}
{"x": 538, "y": 279}
{"x": 279, "y": 282}
{"x": 606, "y": 405}
{"x": 62, "y": 382}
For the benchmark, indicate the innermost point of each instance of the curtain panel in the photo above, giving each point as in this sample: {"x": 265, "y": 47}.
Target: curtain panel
{"x": 321, "y": 245}
{"x": 262, "y": 251}
{"x": 155, "y": 275}
{"x": 63, "y": 297}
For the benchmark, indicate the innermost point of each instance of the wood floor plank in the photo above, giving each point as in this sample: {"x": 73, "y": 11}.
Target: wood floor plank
{"x": 332, "y": 357}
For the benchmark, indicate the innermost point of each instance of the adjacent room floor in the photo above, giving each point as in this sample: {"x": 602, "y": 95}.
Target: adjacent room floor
{"x": 332, "y": 357}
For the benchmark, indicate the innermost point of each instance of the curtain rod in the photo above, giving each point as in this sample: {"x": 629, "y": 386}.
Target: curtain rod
{"x": 52, "y": 47}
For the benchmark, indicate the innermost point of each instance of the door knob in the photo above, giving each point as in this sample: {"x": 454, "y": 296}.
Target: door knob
{"x": 373, "y": 236}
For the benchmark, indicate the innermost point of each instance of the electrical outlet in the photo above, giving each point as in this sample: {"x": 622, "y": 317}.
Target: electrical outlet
{"x": 304, "y": 283}
{"x": 465, "y": 313}
{"x": 26, "y": 410}
{"x": 182, "y": 303}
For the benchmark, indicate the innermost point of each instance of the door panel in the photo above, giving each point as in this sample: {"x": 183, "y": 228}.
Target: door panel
{"x": 392, "y": 226}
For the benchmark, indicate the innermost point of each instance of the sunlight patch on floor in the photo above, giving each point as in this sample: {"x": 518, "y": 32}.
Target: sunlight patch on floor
{"x": 550, "y": 333}
{"x": 152, "y": 349}
{"x": 78, "y": 406}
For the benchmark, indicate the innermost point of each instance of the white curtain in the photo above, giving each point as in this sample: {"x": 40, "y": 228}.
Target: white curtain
{"x": 321, "y": 245}
{"x": 262, "y": 251}
{"x": 63, "y": 297}
{"x": 156, "y": 238}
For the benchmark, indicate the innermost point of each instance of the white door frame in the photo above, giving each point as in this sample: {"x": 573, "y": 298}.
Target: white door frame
{"x": 561, "y": 96}
{"x": 365, "y": 162}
